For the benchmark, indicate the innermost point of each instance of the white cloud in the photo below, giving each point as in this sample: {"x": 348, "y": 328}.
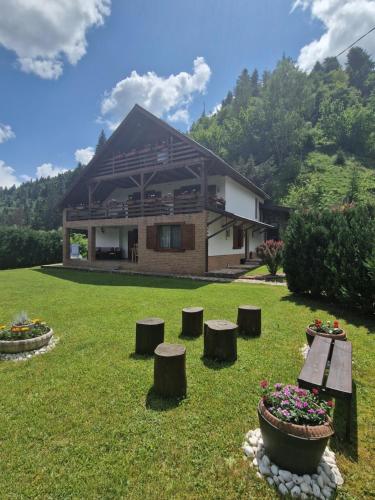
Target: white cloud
{"x": 181, "y": 115}
{"x": 8, "y": 176}
{"x": 344, "y": 22}
{"x": 158, "y": 94}
{"x": 84, "y": 155}
{"x": 6, "y": 133}
{"x": 44, "y": 33}
{"x": 216, "y": 109}
{"x": 49, "y": 170}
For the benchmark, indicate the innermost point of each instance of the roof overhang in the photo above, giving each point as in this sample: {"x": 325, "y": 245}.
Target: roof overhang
{"x": 236, "y": 217}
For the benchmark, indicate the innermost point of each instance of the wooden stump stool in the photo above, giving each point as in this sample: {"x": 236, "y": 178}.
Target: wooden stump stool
{"x": 249, "y": 320}
{"x": 170, "y": 370}
{"x": 192, "y": 321}
{"x": 220, "y": 340}
{"x": 149, "y": 334}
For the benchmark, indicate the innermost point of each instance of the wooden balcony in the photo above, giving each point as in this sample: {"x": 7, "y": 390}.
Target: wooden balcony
{"x": 135, "y": 208}
{"x": 150, "y": 156}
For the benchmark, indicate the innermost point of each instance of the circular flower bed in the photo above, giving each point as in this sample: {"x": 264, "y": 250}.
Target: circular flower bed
{"x": 24, "y": 335}
{"x": 324, "y": 330}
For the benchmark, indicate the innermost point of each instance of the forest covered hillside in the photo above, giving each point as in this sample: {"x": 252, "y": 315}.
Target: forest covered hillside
{"x": 306, "y": 139}
{"x": 301, "y": 137}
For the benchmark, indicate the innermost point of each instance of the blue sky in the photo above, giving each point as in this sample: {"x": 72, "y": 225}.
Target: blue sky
{"x": 56, "y": 95}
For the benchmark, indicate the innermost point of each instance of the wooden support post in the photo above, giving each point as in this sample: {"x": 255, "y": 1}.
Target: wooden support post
{"x": 249, "y": 320}
{"x": 203, "y": 178}
{"x": 220, "y": 340}
{"x": 66, "y": 243}
{"x": 142, "y": 188}
{"x": 91, "y": 243}
{"x": 170, "y": 370}
{"x": 192, "y": 321}
{"x": 148, "y": 335}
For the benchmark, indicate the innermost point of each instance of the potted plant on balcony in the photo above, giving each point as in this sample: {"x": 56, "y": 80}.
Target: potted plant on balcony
{"x": 328, "y": 330}
{"x": 24, "y": 335}
{"x": 295, "y": 426}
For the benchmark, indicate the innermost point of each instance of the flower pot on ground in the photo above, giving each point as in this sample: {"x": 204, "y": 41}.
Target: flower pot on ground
{"x": 24, "y": 335}
{"x": 324, "y": 330}
{"x": 295, "y": 427}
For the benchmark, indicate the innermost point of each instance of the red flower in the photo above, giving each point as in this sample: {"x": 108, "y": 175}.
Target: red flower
{"x": 315, "y": 391}
{"x": 330, "y": 403}
{"x": 335, "y": 324}
{"x": 264, "y": 384}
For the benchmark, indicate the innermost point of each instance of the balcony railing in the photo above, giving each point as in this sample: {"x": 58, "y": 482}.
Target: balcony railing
{"x": 149, "y": 156}
{"x": 150, "y": 207}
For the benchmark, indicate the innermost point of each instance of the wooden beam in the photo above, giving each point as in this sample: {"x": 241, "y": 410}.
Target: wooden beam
{"x": 203, "y": 177}
{"x": 223, "y": 228}
{"x": 146, "y": 170}
{"x": 150, "y": 179}
{"x": 193, "y": 172}
{"x": 134, "y": 180}
{"x": 214, "y": 220}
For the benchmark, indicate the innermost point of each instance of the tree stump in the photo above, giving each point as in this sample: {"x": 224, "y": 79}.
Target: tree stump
{"x": 220, "y": 340}
{"x": 192, "y": 321}
{"x": 170, "y": 370}
{"x": 149, "y": 334}
{"x": 249, "y": 320}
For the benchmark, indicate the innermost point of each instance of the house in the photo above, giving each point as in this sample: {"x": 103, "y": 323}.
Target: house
{"x": 155, "y": 200}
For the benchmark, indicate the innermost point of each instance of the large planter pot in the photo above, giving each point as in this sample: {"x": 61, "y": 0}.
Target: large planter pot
{"x": 311, "y": 334}
{"x": 14, "y": 346}
{"x": 297, "y": 448}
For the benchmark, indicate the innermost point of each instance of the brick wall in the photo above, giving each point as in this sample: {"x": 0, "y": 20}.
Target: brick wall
{"x": 216, "y": 262}
{"x": 186, "y": 262}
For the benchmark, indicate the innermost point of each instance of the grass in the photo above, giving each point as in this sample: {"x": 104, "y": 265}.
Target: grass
{"x": 261, "y": 270}
{"x": 82, "y": 422}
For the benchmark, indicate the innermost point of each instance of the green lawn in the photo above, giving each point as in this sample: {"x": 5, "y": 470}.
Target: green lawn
{"x": 81, "y": 422}
{"x": 261, "y": 270}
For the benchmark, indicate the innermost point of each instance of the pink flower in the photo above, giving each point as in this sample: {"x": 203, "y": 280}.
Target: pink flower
{"x": 264, "y": 384}
{"x": 315, "y": 391}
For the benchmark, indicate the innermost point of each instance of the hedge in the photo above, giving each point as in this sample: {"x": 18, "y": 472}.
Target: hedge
{"x": 331, "y": 253}
{"x": 24, "y": 247}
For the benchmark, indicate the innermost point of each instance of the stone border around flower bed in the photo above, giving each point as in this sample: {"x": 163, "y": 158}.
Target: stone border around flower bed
{"x": 25, "y": 355}
{"x": 321, "y": 485}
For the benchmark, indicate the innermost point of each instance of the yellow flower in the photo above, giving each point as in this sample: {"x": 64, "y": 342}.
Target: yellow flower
{"x": 37, "y": 320}
{"x": 2, "y": 327}
{"x": 25, "y": 329}
{"x": 15, "y": 328}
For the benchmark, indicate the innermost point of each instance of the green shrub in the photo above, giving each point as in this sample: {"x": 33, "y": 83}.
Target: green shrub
{"x": 81, "y": 240}
{"x": 271, "y": 253}
{"x": 330, "y": 253}
{"x": 24, "y": 247}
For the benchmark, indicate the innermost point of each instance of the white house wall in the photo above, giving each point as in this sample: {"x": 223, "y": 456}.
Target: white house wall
{"x": 240, "y": 200}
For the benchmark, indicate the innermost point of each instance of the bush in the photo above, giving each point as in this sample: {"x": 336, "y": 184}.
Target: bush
{"x": 24, "y": 247}
{"x": 271, "y": 253}
{"x": 330, "y": 253}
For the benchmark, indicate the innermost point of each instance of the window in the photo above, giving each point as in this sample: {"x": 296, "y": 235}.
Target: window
{"x": 170, "y": 237}
{"x": 256, "y": 208}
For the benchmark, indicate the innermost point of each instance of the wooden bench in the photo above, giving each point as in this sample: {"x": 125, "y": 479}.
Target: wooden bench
{"x": 334, "y": 378}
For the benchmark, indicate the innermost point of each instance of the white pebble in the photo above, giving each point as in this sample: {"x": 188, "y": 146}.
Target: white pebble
{"x": 264, "y": 470}
{"x": 306, "y": 488}
{"x": 327, "y": 492}
{"x": 285, "y": 475}
{"x": 248, "y": 450}
{"x": 307, "y": 478}
{"x": 289, "y": 485}
{"x": 274, "y": 469}
{"x": 259, "y": 475}
{"x": 255, "y": 462}
{"x": 270, "y": 481}
{"x": 266, "y": 461}
{"x": 295, "y": 491}
{"x": 321, "y": 480}
{"x": 316, "y": 490}
{"x": 283, "y": 489}
{"x": 253, "y": 441}
{"x": 276, "y": 480}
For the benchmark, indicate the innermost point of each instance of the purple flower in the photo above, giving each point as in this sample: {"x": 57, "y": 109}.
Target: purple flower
{"x": 285, "y": 413}
{"x": 299, "y": 405}
{"x": 321, "y": 411}
{"x": 305, "y": 404}
{"x": 284, "y": 402}
{"x": 310, "y": 411}
{"x": 278, "y": 386}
